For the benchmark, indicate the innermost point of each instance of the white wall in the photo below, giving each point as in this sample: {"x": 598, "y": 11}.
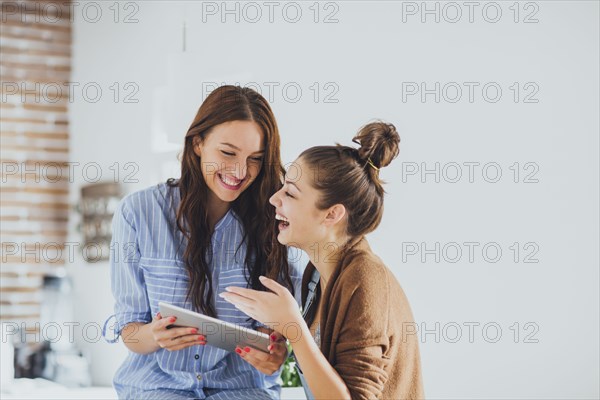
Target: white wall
{"x": 368, "y": 54}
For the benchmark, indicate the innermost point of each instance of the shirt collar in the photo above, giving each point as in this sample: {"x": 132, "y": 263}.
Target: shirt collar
{"x": 225, "y": 221}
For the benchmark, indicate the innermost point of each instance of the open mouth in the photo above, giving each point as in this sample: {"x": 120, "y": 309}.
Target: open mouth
{"x": 230, "y": 182}
{"x": 283, "y": 223}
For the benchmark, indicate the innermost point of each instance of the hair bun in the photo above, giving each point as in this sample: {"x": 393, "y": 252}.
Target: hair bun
{"x": 379, "y": 142}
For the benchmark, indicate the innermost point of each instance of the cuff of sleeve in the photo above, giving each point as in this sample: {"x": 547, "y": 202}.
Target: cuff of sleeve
{"x": 111, "y": 333}
{"x": 114, "y": 329}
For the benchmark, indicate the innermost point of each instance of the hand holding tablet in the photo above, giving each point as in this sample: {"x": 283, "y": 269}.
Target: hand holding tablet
{"x": 218, "y": 333}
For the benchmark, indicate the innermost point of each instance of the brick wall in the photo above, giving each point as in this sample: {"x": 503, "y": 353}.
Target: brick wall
{"x": 35, "y": 64}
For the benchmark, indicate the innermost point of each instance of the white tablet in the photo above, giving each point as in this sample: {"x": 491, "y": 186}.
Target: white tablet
{"x": 221, "y": 334}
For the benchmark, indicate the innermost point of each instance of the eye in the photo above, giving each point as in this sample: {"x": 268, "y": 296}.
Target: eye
{"x": 227, "y": 153}
{"x": 289, "y": 195}
{"x": 257, "y": 159}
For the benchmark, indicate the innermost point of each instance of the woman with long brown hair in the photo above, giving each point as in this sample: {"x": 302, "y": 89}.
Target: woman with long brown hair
{"x": 351, "y": 340}
{"x": 184, "y": 240}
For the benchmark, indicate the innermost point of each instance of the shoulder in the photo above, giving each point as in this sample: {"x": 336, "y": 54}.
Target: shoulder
{"x": 141, "y": 202}
{"x": 365, "y": 270}
{"x": 366, "y": 285}
{"x": 146, "y": 209}
{"x": 366, "y": 282}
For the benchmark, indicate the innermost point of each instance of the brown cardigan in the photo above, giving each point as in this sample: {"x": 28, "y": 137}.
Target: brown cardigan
{"x": 364, "y": 314}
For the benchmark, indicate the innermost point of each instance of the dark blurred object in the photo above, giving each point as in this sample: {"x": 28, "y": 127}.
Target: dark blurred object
{"x": 37, "y": 360}
{"x": 56, "y": 311}
{"x": 48, "y": 351}
{"x": 97, "y": 206}
{"x": 30, "y": 359}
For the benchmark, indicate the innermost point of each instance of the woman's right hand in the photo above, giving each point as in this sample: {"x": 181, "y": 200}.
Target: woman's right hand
{"x": 176, "y": 338}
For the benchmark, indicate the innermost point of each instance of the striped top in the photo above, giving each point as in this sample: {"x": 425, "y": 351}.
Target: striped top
{"x": 147, "y": 267}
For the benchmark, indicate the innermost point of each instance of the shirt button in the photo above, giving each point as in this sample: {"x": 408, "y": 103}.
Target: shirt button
{"x": 196, "y": 356}
{"x": 199, "y": 377}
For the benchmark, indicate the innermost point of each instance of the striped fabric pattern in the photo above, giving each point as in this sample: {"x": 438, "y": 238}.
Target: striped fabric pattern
{"x": 147, "y": 267}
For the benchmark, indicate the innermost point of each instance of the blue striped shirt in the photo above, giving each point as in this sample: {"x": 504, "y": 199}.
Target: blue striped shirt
{"x": 147, "y": 267}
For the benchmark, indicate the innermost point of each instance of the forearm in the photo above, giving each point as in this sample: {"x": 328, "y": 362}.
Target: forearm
{"x": 322, "y": 378}
{"x": 138, "y": 338}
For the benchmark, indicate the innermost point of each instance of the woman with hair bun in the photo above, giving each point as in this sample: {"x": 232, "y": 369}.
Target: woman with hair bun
{"x": 349, "y": 341}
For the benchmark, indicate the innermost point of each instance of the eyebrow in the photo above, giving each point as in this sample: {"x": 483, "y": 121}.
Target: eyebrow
{"x": 292, "y": 183}
{"x": 238, "y": 149}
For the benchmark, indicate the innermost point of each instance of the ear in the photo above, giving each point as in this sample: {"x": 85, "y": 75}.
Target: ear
{"x": 335, "y": 214}
{"x": 197, "y": 145}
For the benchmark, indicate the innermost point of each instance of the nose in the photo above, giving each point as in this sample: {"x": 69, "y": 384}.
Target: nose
{"x": 240, "y": 175}
{"x": 237, "y": 170}
{"x": 274, "y": 200}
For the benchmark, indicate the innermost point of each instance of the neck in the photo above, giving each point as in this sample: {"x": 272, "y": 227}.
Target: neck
{"x": 217, "y": 209}
{"x": 325, "y": 255}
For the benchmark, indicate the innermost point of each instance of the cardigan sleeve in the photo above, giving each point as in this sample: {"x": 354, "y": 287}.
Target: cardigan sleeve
{"x": 362, "y": 342}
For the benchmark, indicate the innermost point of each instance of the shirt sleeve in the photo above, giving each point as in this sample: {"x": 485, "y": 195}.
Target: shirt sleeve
{"x": 363, "y": 342}
{"x": 127, "y": 280}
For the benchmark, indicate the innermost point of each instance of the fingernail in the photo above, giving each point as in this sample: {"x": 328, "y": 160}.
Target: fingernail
{"x": 221, "y": 294}
{"x": 262, "y": 277}
{"x": 201, "y": 337}
{"x": 239, "y": 351}
{"x": 194, "y": 330}
{"x": 173, "y": 319}
{"x": 247, "y": 349}
{"x": 270, "y": 347}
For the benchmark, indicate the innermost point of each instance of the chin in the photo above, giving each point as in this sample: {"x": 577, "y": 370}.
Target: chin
{"x": 228, "y": 196}
{"x": 282, "y": 240}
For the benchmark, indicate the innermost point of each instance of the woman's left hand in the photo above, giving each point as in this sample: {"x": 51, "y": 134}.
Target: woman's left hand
{"x": 277, "y": 309}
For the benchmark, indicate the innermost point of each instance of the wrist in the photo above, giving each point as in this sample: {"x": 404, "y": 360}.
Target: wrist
{"x": 149, "y": 337}
{"x": 138, "y": 337}
{"x": 294, "y": 324}
{"x": 303, "y": 338}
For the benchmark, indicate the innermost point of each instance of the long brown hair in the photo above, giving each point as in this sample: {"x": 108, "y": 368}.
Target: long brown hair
{"x": 264, "y": 255}
{"x": 350, "y": 176}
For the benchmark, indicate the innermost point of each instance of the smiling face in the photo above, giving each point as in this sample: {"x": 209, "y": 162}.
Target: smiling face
{"x": 301, "y": 224}
{"x": 231, "y": 158}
